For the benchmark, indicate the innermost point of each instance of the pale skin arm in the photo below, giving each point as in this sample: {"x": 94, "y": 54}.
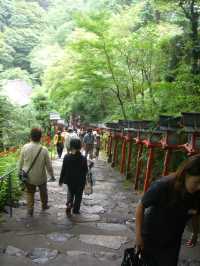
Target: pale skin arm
{"x": 139, "y": 220}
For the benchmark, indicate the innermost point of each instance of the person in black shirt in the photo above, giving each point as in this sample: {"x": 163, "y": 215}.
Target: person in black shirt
{"x": 164, "y": 210}
{"x": 73, "y": 174}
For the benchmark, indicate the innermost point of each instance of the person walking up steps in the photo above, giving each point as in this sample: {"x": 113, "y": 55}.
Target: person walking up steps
{"x": 69, "y": 136}
{"x": 97, "y": 144}
{"x": 88, "y": 142}
{"x": 59, "y": 142}
{"x": 164, "y": 210}
{"x": 35, "y": 152}
{"x": 73, "y": 174}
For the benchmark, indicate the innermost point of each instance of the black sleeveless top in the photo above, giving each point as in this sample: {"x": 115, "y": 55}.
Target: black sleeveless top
{"x": 164, "y": 222}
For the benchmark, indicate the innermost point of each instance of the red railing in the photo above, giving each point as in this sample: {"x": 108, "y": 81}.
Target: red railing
{"x": 163, "y": 138}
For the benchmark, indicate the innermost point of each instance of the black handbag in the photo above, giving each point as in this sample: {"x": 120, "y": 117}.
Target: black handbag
{"x": 133, "y": 258}
{"x": 23, "y": 175}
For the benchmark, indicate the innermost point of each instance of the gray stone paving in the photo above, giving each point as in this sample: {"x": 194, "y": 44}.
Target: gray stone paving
{"x": 97, "y": 237}
{"x": 113, "y": 242}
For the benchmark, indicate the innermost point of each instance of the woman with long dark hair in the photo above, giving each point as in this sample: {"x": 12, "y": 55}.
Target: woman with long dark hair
{"x": 164, "y": 210}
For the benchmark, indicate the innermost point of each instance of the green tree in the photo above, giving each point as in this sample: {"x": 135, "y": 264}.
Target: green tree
{"x": 42, "y": 107}
{"x": 21, "y": 26}
{"x": 5, "y": 110}
{"x": 7, "y": 53}
{"x": 6, "y": 10}
{"x": 191, "y": 10}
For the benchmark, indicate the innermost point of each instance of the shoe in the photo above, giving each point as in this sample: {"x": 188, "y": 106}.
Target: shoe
{"x": 68, "y": 209}
{"x": 52, "y": 180}
{"x": 45, "y": 207}
{"x": 76, "y": 212}
{"x": 30, "y": 213}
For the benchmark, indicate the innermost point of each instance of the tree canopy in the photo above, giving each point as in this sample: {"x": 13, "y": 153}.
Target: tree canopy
{"x": 104, "y": 60}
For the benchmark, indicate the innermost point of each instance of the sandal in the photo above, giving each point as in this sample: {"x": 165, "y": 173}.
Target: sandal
{"x": 190, "y": 243}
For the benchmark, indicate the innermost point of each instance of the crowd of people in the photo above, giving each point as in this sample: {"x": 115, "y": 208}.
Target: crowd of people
{"x": 162, "y": 213}
{"x": 90, "y": 141}
{"x": 80, "y": 145}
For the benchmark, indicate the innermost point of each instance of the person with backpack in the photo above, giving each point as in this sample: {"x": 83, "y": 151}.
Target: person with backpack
{"x": 88, "y": 142}
{"x": 59, "y": 142}
{"x": 34, "y": 161}
{"x": 164, "y": 211}
{"x": 73, "y": 174}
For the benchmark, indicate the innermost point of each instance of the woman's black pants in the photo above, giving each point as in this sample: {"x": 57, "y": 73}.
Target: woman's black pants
{"x": 74, "y": 197}
{"x": 60, "y": 147}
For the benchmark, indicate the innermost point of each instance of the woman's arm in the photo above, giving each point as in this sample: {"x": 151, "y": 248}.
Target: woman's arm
{"x": 139, "y": 220}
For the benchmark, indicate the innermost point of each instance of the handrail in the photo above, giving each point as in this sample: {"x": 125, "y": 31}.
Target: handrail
{"x": 9, "y": 176}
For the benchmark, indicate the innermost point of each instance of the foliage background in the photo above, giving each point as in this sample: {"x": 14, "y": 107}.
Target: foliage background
{"x": 103, "y": 60}
{"x": 7, "y": 164}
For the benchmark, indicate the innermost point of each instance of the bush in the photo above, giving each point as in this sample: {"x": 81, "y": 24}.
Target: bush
{"x": 7, "y": 164}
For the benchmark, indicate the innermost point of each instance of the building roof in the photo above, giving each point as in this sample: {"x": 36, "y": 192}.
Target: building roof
{"x": 18, "y": 91}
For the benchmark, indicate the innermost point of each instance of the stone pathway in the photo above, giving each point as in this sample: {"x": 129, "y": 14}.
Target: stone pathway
{"x": 96, "y": 237}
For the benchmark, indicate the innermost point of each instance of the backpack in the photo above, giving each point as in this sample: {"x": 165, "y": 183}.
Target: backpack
{"x": 89, "y": 139}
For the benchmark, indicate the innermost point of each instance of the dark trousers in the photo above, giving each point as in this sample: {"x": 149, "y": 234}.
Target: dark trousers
{"x": 74, "y": 198}
{"x": 60, "y": 147}
{"x": 164, "y": 256}
{"x": 97, "y": 149}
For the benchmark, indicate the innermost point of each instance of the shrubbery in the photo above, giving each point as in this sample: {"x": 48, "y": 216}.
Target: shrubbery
{"x": 7, "y": 164}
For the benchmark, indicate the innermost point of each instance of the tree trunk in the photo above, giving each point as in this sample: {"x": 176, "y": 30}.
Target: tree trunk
{"x": 132, "y": 79}
{"x": 117, "y": 89}
{"x": 195, "y": 45}
{"x": 1, "y": 141}
{"x": 122, "y": 106}
{"x": 157, "y": 16}
{"x": 128, "y": 93}
{"x": 192, "y": 14}
{"x": 102, "y": 103}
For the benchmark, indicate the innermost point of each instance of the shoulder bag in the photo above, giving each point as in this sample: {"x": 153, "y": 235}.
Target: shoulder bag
{"x": 23, "y": 175}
